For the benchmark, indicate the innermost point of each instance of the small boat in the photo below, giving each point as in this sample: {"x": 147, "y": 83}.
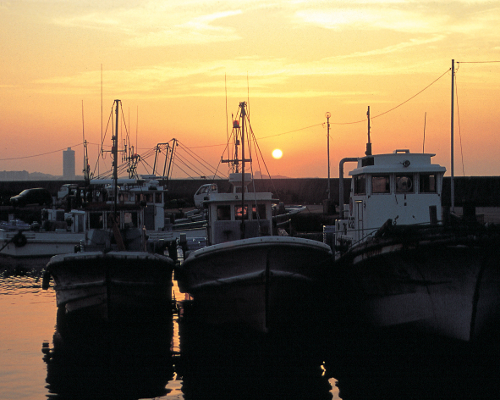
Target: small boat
{"x": 246, "y": 275}
{"x": 59, "y": 232}
{"x": 82, "y": 208}
{"x": 403, "y": 262}
{"x": 111, "y": 285}
{"x": 112, "y": 275}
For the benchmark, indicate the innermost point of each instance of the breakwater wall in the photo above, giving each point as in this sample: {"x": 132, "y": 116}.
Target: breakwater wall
{"x": 481, "y": 191}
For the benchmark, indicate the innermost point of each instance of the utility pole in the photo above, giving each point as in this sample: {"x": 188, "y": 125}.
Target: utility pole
{"x": 328, "y": 115}
{"x": 452, "y": 135}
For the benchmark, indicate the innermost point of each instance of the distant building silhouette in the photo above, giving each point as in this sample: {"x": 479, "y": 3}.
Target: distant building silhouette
{"x": 69, "y": 164}
{"x": 14, "y": 175}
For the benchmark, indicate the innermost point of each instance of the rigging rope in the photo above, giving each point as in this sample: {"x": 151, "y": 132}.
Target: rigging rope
{"x": 459, "y": 130}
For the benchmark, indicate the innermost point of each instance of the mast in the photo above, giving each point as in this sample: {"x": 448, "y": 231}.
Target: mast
{"x": 114, "y": 151}
{"x": 240, "y": 133}
{"x": 328, "y": 115}
{"x": 243, "y": 114}
{"x": 86, "y": 166}
{"x": 452, "y": 135}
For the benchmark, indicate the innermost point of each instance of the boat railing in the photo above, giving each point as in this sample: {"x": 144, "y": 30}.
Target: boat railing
{"x": 226, "y": 231}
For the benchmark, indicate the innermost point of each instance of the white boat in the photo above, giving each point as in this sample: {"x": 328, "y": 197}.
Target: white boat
{"x": 59, "y": 232}
{"x": 246, "y": 275}
{"x": 113, "y": 274}
{"x": 397, "y": 262}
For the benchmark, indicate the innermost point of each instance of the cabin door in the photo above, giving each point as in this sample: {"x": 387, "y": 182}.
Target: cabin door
{"x": 358, "y": 215}
{"x": 149, "y": 217}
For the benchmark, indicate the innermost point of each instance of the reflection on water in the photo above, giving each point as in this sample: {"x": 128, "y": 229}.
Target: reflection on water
{"x": 399, "y": 364}
{"x": 233, "y": 363}
{"x": 83, "y": 359}
{"x": 98, "y": 360}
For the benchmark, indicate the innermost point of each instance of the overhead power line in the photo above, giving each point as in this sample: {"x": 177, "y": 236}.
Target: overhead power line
{"x": 477, "y": 62}
{"x": 38, "y": 155}
{"x": 394, "y": 108}
{"x": 299, "y": 129}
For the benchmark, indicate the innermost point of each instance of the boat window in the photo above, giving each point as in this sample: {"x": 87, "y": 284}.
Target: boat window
{"x": 259, "y": 211}
{"x": 130, "y": 219}
{"x": 381, "y": 184}
{"x": 96, "y": 220}
{"x": 60, "y": 215}
{"x": 428, "y": 183}
{"x": 223, "y": 213}
{"x": 111, "y": 218}
{"x": 404, "y": 184}
{"x": 359, "y": 184}
{"x": 238, "y": 212}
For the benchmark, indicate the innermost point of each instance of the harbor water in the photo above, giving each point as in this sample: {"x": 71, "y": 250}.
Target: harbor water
{"x": 46, "y": 354}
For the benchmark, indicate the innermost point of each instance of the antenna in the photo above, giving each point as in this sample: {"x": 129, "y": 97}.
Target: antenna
{"x": 368, "y": 151}
{"x": 248, "y": 96}
{"x": 83, "y": 124}
{"x": 425, "y": 124}
{"x": 86, "y": 166}
{"x": 227, "y": 123}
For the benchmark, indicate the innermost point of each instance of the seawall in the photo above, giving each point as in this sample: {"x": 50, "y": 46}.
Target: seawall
{"x": 481, "y": 191}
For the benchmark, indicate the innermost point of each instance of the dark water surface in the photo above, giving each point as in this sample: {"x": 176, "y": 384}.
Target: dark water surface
{"x": 46, "y": 354}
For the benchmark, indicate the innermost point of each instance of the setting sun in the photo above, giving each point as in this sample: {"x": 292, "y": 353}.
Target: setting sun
{"x": 277, "y": 154}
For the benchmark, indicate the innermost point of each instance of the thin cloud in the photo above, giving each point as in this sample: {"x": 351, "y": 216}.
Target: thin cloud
{"x": 268, "y": 78}
{"x": 154, "y": 25}
{"x": 391, "y": 49}
{"x": 369, "y": 18}
{"x": 199, "y": 30}
{"x": 403, "y": 16}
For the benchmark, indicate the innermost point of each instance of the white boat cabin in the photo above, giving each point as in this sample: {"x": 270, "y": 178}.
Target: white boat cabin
{"x": 73, "y": 221}
{"x": 232, "y": 218}
{"x": 203, "y": 192}
{"x": 147, "y": 193}
{"x": 404, "y": 187}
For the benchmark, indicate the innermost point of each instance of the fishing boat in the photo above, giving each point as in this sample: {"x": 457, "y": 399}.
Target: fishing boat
{"x": 112, "y": 273}
{"x": 59, "y": 232}
{"x": 247, "y": 275}
{"x": 84, "y": 208}
{"x": 401, "y": 261}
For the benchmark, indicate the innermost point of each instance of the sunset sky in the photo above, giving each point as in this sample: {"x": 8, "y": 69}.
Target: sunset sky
{"x": 171, "y": 63}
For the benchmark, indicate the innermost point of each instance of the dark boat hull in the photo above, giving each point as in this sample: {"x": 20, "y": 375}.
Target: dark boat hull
{"x": 111, "y": 284}
{"x": 440, "y": 285}
{"x": 263, "y": 283}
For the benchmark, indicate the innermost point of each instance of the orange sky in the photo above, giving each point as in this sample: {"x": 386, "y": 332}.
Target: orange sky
{"x": 293, "y": 61}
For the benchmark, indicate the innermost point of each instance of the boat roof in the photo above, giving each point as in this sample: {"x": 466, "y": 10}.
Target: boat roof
{"x": 236, "y": 197}
{"x": 259, "y": 241}
{"x": 401, "y": 161}
{"x": 93, "y": 255}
